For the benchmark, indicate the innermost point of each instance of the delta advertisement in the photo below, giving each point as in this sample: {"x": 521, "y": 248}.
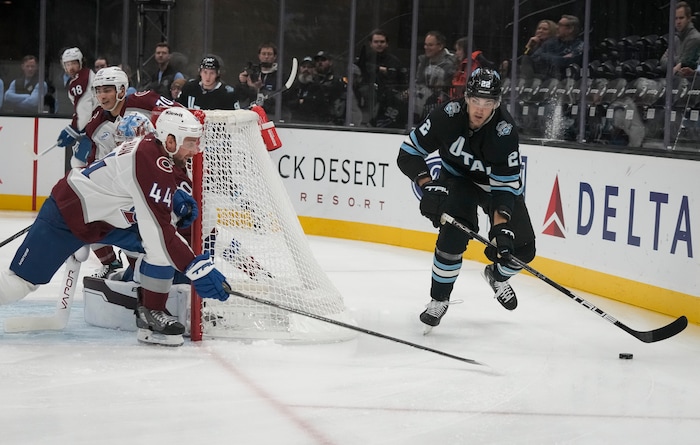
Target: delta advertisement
{"x": 626, "y": 215}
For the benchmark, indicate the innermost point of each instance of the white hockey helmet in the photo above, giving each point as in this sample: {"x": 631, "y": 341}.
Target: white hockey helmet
{"x": 111, "y": 76}
{"x": 180, "y": 123}
{"x": 71, "y": 54}
{"x": 132, "y": 125}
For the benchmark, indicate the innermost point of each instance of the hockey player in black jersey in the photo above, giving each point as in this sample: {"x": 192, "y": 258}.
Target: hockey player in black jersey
{"x": 478, "y": 144}
{"x": 208, "y": 92}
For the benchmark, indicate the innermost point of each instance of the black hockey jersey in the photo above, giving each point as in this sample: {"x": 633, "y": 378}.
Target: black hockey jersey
{"x": 223, "y": 97}
{"x": 489, "y": 156}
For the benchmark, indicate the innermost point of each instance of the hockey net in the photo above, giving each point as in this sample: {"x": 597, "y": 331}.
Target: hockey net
{"x": 250, "y": 228}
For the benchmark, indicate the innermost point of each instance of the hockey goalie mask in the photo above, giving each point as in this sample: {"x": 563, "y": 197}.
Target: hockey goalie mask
{"x": 180, "y": 123}
{"x": 132, "y": 125}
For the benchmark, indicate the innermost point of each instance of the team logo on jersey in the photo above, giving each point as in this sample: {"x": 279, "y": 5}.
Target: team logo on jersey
{"x": 104, "y": 135}
{"x": 503, "y": 128}
{"x": 129, "y": 216}
{"x": 164, "y": 164}
{"x": 452, "y": 108}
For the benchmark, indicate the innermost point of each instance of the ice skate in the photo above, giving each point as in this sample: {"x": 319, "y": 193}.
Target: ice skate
{"x": 503, "y": 292}
{"x": 433, "y": 313}
{"x": 108, "y": 270}
{"x": 158, "y": 327}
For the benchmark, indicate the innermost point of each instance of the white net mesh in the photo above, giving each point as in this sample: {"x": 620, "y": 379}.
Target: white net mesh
{"x": 251, "y": 228}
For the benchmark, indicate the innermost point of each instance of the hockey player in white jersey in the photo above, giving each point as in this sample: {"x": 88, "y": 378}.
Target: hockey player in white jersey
{"x": 84, "y": 102}
{"x": 99, "y": 204}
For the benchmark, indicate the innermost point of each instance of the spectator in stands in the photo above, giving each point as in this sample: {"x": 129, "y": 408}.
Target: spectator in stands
{"x": 266, "y": 83}
{"x": 166, "y": 74}
{"x": 100, "y": 62}
{"x": 306, "y": 99}
{"x": 477, "y": 61}
{"x": 383, "y": 77}
{"x": 22, "y": 95}
{"x": 687, "y": 42}
{"x": 176, "y": 88}
{"x": 546, "y": 29}
{"x": 552, "y": 57}
{"x": 334, "y": 90}
{"x": 436, "y": 68}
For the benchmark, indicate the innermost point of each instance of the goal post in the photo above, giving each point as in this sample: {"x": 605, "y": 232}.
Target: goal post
{"x": 248, "y": 225}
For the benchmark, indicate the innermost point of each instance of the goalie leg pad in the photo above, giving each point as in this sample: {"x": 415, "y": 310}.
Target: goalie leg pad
{"x": 111, "y": 304}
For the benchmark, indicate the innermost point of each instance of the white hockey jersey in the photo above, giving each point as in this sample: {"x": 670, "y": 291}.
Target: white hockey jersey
{"x": 134, "y": 183}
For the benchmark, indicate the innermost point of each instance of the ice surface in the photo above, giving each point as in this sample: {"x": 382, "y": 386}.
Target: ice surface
{"x": 554, "y": 376}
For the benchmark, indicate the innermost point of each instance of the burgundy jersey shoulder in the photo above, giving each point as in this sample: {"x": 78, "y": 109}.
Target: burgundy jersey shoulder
{"x": 146, "y": 101}
{"x": 99, "y": 115}
{"x": 79, "y": 85}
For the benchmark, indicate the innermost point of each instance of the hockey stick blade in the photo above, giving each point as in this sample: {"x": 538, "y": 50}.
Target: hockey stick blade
{"x": 59, "y": 319}
{"x": 16, "y": 235}
{"x": 662, "y": 333}
{"x": 230, "y": 291}
{"x": 292, "y": 73}
{"x": 28, "y": 324}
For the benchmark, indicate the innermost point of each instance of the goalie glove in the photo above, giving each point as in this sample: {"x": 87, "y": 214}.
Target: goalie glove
{"x": 207, "y": 280}
{"x": 185, "y": 208}
{"x": 67, "y": 137}
{"x": 504, "y": 238}
{"x": 433, "y": 201}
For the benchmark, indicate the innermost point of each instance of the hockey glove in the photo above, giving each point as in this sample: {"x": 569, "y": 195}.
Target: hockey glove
{"x": 67, "y": 137}
{"x": 207, "y": 280}
{"x": 185, "y": 208}
{"x": 433, "y": 201}
{"x": 503, "y": 237}
{"x": 83, "y": 149}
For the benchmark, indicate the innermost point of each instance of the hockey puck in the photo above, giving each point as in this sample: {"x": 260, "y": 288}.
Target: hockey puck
{"x": 626, "y": 356}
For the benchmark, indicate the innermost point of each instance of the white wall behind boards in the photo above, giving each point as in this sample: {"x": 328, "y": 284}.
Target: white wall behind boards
{"x": 630, "y": 216}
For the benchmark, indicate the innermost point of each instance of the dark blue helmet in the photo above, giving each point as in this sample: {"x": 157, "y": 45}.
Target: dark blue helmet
{"x": 211, "y": 63}
{"x": 485, "y": 83}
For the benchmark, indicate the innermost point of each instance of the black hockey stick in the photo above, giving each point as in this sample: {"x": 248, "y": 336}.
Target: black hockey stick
{"x": 16, "y": 235}
{"x": 230, "y": 291}
{"x": 652, "y": 336}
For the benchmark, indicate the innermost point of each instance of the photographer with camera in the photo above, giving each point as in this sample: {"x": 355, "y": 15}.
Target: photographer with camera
{"x": 262, "y": 77}
{"x": 208, "y": 92}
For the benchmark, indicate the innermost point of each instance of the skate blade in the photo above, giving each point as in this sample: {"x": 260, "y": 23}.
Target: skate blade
{"x": 152, "y": 338}
{"x": 427, "y": 329}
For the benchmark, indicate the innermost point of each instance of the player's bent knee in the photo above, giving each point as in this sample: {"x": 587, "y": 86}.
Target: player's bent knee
{"x": 526, "y": 253}
{"x": 82, "y": 254}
